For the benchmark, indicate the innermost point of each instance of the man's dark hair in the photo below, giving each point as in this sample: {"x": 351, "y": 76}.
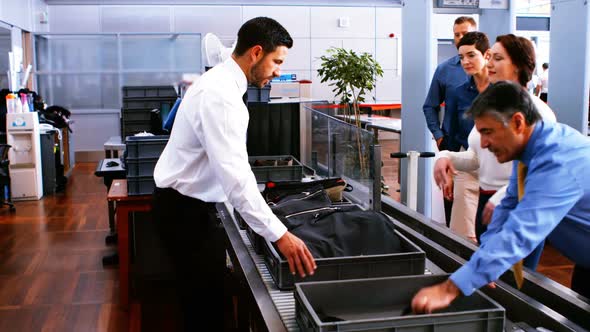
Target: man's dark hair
{"x": 545, "y": 65}
{"x": 502, "y": 100}
{"x": 262, "y": 31}
{"x": 522, "y": 53}
{"x": 476, "y": 38}
{"x": 463, "y": 19}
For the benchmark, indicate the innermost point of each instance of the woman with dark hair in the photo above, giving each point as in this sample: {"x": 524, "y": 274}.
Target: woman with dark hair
{"x": 473, "y": 53}
{"x": 511, "y": 58}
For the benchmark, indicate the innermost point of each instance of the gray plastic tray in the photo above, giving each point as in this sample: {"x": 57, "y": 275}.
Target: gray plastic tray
{"x": 145, "y": 146}
{"x": 379, "y": 304}
{"x": 149, "y": 91}
{"x": 276, "y": 173}
{"x": 141, "y": 167}
{"x": 409, "y": 262}
{"x": 140, "y": 185}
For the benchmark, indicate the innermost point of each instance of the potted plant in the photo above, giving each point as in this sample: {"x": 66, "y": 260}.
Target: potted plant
{"x": 352, "y": 75}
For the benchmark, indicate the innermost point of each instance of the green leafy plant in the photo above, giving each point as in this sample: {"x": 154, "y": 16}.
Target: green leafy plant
{"x": 351, "y": 75}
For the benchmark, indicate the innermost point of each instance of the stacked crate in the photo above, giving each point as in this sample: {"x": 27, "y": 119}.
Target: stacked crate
{"x": 143, "y": 153}
{"x": 138, "y": 103}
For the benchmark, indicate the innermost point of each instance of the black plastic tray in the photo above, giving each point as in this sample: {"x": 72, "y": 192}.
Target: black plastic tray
{"x": 149, "y": 91}
{"x": 380, "y": 304}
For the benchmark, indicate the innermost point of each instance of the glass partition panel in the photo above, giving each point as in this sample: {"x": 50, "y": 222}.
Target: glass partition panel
{"x": 89, "y": 70}
{"x": 320, "y": 145}
{"x": 146, "y": 79}
{"x": 75, "y": 53}
{"x": 5, "y": 47}
{"x": 161, "y": 52}
{"x": 94, "y": 91}
{"x": 146, "y": 52}
{"x": 341, "y": 149}
{"x": 187, "y": 53}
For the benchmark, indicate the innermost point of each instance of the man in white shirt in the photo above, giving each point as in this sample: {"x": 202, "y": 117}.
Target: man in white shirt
{"x": 206, "y": 161}
{"x": 543, "y": 85}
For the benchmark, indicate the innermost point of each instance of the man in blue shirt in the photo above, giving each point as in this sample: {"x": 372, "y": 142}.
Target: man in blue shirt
{"x": 555, "y": 204}
{"x": 446, "y": 76}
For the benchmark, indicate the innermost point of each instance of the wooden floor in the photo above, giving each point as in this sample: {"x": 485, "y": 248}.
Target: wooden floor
{"x": 51, "y": 277}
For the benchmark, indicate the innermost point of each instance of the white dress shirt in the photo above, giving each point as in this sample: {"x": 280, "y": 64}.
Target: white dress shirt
{"x": 492, "y": 174}
{"x": 206, "y": 157}
{"x": 545, "y": 81}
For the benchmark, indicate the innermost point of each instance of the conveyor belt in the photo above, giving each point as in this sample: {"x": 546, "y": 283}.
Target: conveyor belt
{"x": 277, "y": 308}
{"x": 541, "y": 301}
{"x": 283, "y": 300}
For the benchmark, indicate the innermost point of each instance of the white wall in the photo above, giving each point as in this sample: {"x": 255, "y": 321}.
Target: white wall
{"x": 376, "y": 30}
{"x": 314, "y": 29}
{"x": 39, "y": 7}
{"x": 541, "y": 47}
{"x": 17, "y": 13}
{"x": 22, "y": 16}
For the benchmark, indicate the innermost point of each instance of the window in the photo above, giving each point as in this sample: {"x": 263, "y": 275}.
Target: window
{"x": 533, "y": 7}
{"x": 88, "y": 71}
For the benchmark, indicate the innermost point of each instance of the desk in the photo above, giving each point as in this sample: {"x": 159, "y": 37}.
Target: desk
{"x": 383, "y": 123}
{"x": 376, "y": 122}
{"x": 109, "y": 174}
{"x": 123, "y": 205}
{"x": 112, "y": 147}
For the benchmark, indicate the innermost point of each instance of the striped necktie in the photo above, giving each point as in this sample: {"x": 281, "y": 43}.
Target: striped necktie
{"x": 521, "y": 175}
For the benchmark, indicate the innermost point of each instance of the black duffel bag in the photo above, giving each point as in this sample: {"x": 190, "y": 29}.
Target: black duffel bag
{"x": 276, "y": 191}
{"x": 348, "y": 233}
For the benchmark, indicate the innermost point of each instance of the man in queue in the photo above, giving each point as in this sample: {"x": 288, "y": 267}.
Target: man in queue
{"x": 548, "y": 195}
{"x": 206, "y": 161}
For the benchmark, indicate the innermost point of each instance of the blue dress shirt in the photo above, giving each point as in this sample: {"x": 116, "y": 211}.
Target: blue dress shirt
{"x": 555, "y": 205}
{"x": 447, "y": 75}
{"x": 459, "y": 99}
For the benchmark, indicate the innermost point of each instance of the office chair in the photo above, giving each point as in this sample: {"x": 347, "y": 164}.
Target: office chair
{"x": 5, "y": 192}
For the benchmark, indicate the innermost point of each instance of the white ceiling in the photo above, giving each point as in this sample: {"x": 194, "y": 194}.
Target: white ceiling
{"x": 229, "y": 2}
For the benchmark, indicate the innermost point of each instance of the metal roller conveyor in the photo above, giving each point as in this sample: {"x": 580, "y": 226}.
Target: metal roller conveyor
{"x": 533, "y": 306}
{"x": 450, "y": 251}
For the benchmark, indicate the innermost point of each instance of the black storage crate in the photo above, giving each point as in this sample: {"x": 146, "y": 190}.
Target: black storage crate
{"x": 130, "y": 128}
{"x": 256, "y": 240}
{"x": 145, "y": 146}
{"x": 241, "y": 222}
{"x": 258, "y": 95}
{"x": 148, "y": 103}
{"x": 380, "y": 304}
{"x": 140, "y": 185}
{"x": 149, "y": 91}
{"x": 140, "y": 114}
{"x": 264, "y": 174}
{"x": 409, "y": 262}
{"x": 141, "y": 166}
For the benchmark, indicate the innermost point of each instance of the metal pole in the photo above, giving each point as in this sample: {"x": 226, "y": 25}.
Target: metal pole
{"x": 376, "y": 151}
{"x": 412, "y": 195}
